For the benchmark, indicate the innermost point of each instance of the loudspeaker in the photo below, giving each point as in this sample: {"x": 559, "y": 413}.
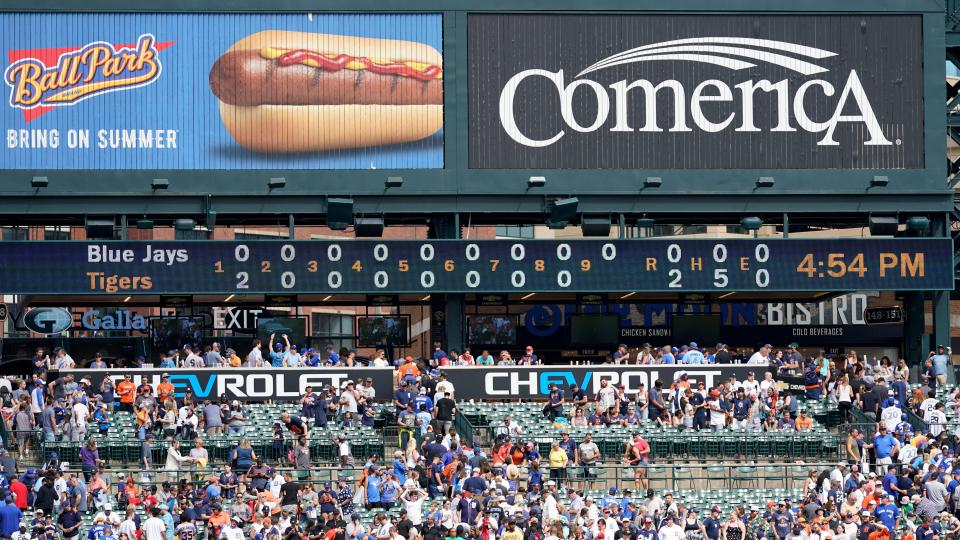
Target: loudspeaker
{"x": 883, "y": 225}
{"x": 339, "y": 213}
{"x": 563, "y": 212}
{"x": 100, "y": 228}
{"x": 596, "y": 225}
{"x": 368, "y": 227}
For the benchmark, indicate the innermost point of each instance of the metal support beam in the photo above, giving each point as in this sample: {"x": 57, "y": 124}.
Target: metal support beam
{"x": 913, "y": 307}
{"x": 451, "y": 305}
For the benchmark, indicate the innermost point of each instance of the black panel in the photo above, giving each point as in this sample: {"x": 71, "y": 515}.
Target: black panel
{"x": 883, "y": 53}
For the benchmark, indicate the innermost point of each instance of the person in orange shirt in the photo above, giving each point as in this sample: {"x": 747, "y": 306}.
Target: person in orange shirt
{"x": 408, "y": 370}
{"x": 804, "y": 422}
{"x": 880, "y": 534}
{"x": 218, "y": 518}
{"x": 164, "y": 389}
{"x": 127, "y": 392}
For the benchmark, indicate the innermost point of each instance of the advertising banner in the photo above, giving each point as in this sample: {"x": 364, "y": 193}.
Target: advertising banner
{"x": 521, "y": 382}
{"x": 655, "y": 91}
{"x": 221, "y": 91}
{"x": 244, "y": 384}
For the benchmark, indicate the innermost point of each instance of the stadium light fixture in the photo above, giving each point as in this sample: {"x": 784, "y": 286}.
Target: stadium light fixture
{"x": 596, "y": 225}
{"x": 653, "y": 182}
{"x": 185, "y": 224}
{"x": 918, "y": 223}
{"x": 160, "y": 183}
{"x": 536, "y": 181}
{"x": 39, "y": 182}
{"x": 751, "y": 223}
{"x": 277, "y": 183}
{"x": 883, "y": 225}
{"x": 393, "y": 182}
{"x": 765, "y": 182}
{"x": 879, "y": 181}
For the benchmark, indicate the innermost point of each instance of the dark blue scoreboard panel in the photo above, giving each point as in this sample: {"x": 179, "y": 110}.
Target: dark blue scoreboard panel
{"x": 365, "y": 266}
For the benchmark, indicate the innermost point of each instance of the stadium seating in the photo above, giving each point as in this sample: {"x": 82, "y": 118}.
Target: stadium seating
{"x": 665, "y": 443}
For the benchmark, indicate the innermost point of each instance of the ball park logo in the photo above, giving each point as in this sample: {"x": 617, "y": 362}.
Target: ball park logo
{"x": 735, "y": 54}
{"x": 41, "y": 79}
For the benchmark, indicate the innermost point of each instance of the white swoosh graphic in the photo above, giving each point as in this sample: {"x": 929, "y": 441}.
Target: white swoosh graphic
{"x": 711, "y": 45}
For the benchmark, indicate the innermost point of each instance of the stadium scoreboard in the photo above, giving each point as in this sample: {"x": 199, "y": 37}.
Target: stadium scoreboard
{"x": 459, "y": 266}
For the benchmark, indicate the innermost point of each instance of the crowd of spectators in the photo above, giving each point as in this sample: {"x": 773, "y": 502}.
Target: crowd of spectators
{"x": 438, "y": 487}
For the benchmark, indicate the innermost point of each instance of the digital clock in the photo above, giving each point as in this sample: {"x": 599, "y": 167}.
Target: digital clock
{"x": 482, "y": 266}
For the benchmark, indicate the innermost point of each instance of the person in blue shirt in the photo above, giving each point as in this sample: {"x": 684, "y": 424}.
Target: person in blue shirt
{"x": 940, "y": 361}
{"x": 402, "y": 397}
{"x": 884, "y": 444}
{"x": 667, "y": 356}
{"x": 10, "y": 517}
{"x": 388, "y": 492}
{"x": 438, "y": 354}
{"x": 277, "y": 352}
{"x": 890, "y": 480}
{"x": 333, "y": 359}
{"x": 887, "y": 513}
{"x": 928, "y": 530}
{"x": 311, "y": 358}
{"x": 422, "y": 401}
{"x": 374, "y": 481}
{"x": 741, "y": 410}
{"x": 899, "y": 390}
{"x": 166, "y": 362}
{"x": 693, "y": 355}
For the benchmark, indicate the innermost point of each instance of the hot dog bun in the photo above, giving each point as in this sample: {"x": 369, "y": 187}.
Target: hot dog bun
{"x": 312, "y": 128}
{"x": 381, "y": 109}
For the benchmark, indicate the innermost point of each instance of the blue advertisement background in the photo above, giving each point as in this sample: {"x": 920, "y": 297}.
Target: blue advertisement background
{"x": 181, "y": 98}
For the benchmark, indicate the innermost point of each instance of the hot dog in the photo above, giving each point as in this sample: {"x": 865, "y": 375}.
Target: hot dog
{"x": 299, "y": 92}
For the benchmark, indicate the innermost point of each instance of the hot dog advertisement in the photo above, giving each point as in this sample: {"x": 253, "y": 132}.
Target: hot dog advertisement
{"x": 222, "y": 91}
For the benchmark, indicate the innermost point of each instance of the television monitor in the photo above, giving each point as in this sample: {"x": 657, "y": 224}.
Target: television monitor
{"x": 294, "y": 327}
{"x": 170, "y": 333}
{"x": 491, "y": 330}
{"x": 383, "y": 331}
{"x": 594, "y": 330}
{"x": 701, "y": 328}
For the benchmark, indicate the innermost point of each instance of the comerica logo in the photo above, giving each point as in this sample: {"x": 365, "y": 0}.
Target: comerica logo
{"x": 615, "y": 101}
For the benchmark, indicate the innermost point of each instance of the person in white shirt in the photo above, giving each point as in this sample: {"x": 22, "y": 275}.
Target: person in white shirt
{"x": 509, "y": 428}
{"x": 192, "y": 360}
{"x": 761, "y": 357}
{"x": 751, "y": 385}
{"x": 154, "y": 528}
{"x": 445, "y": 386}
{"x": 255, "y": 356}
{"x": 606, "y": 395}
{"x": 936, "y": 419}
{"x": 109, "y": 516}
{"x": 551, "y": 511}
{"x": 232, "y": 530}
{"x": 275, "y": 483}
{"x": 928, "y": 404}
{"x": 767, "y": 383}
{"x": 80, "y": 415}
{"x": 413, "y": 500}
{"x": 890, "y": 415}
{"x": 669, "y": 530}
